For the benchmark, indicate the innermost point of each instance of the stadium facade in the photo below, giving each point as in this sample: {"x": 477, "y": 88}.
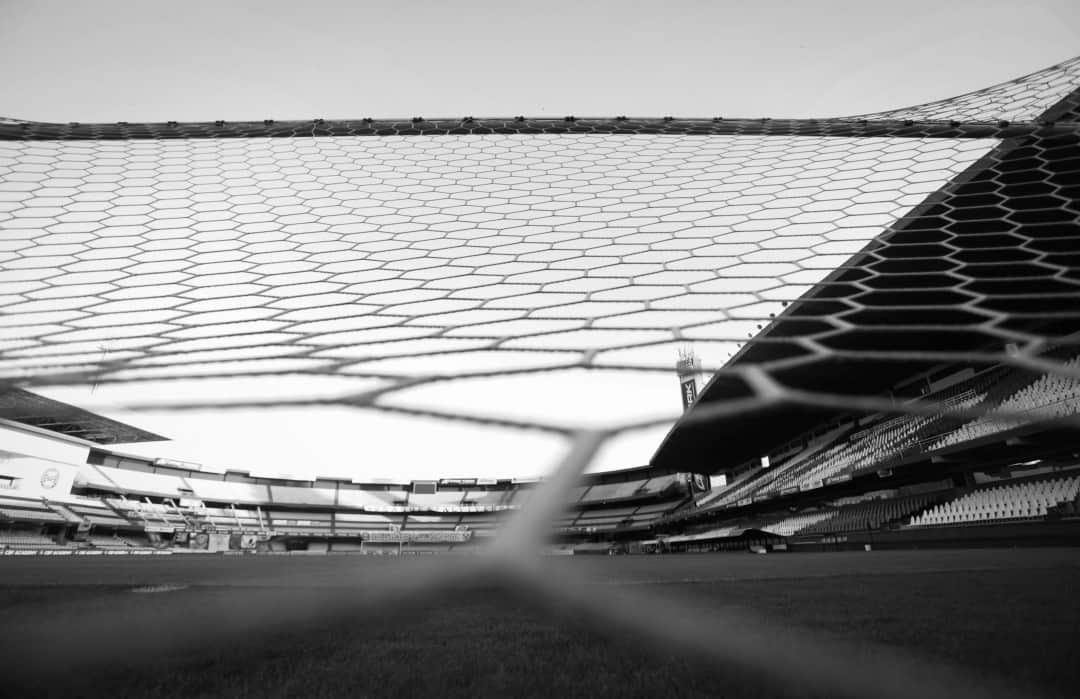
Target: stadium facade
{"x": 923, "y": 391}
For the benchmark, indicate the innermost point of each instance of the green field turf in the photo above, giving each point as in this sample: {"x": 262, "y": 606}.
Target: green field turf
{"x": 366, "y": 626}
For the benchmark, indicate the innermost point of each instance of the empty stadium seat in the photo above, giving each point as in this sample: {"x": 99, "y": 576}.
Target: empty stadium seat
{"x": 23, "y": 539}
{"x": 872, "y": 514}
{"x": 1049, "y": 397}
{"x": 1027, "y": 500}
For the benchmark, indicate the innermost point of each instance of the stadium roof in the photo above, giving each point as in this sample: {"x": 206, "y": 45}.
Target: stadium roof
{"x": 953, "y": 282}
{"x": 29, "y": 408}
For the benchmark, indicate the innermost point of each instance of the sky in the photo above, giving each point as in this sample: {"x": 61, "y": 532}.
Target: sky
{"x": 200, "y": 61}
{"x": 203, "y": 60}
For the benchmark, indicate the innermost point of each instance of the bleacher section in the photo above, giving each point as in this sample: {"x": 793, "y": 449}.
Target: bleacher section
{"x": 117, "y": 494}
{"x": 756, "y": 482}
{"x": 789, "y": 526}
{"x": 598, "y": 520}
{"x": 649, "y": 487}
{"x": 872, "y": 514}
{"x": 1049, "y": 397}
{"x": 634, "y": 504}
{"x": 98, "y": 512}
{"x": 648, "y": 514}
{"x": 488, "y": 498}
{"x": 870, "y": 448}
{"x": 483, "y": 524}
{"x": 118, "y": 543}
{"x": 27, "y": 540}
{"x": 116, "y": 502}
{"x": 1030, "y": 499}
{"x": 848, "y": 451}
{"x": 1026, "y": 500}
{"x": 27, "y": 510}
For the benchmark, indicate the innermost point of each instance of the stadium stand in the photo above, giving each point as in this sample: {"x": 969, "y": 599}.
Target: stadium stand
{"x": 648, "y": 487}
{"x": 117, "y": 543}
{"x": 107, "y": 512}
{"x": 27, "y": 510}
{"x": 1030, "y": 499}
{"x": 116, "y": 500}
{"x": 754, "y": 481}
{"x": 1049, "y": 397}
{"x": 20, "y": 539}
{"x": 129, "y": 500}
{"x": 448, "y": 500}
{"x": 887, "y": 438}
{"x": 789, "y": 526}
{"x": 870, "y": 515}
{"x": 876, "y": 442}
{"x": 487, "y": 498}
{"x": 604, "y": 519}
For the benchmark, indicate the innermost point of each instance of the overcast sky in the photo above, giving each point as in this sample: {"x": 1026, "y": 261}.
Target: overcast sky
{"x": 139, "y": 61}
{"x": 133, "y": 60}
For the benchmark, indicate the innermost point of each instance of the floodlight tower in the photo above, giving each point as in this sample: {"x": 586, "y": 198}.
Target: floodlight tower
{"x": 691, "y": 376}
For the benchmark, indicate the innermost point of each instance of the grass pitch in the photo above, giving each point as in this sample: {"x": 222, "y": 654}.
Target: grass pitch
{"x": 211, "y": 626}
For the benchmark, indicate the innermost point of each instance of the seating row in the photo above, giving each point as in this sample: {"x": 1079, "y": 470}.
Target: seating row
{"x": 1002, "y": 502}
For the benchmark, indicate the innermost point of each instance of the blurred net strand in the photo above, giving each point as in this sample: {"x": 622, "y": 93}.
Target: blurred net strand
{"x": 1013, "y": 113}
{"x": 766, "y": 392}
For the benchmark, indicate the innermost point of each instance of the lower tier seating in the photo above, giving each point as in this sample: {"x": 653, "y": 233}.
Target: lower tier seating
{"x": 1002, "y": 502}
{"x": 789, "y": 526}
{"x": 873, "y": 514}
{"x": 22, "y": 539}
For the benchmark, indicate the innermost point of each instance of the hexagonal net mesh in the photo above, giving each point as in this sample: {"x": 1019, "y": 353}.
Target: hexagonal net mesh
{"x": 456, "y": 269}
{"x": 413, "y": 266}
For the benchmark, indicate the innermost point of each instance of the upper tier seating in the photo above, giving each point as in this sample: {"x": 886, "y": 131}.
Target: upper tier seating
{"x": 755, "y": 480}
{"x": 1049, "y": 397}
{"x": 605, "y": 492}
{"x": 1026, "y": 500}
{"x": 874, "y": 446}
